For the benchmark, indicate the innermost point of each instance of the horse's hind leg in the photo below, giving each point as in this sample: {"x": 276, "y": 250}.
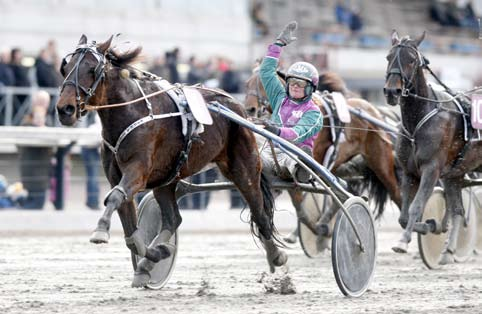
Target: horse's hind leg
{"x": 243, "y": 169}
{"x": 453, "y": 197}
{"x": 160, "y": 248}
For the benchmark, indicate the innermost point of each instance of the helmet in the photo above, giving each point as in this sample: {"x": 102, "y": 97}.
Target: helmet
{"x": 305, "y": 71}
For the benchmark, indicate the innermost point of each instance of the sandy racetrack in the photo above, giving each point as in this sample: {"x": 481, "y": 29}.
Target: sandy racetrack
{"x": 217, "y": 272}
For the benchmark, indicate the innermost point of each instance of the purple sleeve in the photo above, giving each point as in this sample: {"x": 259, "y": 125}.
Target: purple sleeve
{"x": 274, "y": 51}
{"x": 288, "y": 134}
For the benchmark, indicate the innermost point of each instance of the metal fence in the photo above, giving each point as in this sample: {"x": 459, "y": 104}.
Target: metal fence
{"x": 16, "y": 102}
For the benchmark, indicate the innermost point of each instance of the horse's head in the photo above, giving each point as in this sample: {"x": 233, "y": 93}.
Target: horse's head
{"x": 404, "y": 63}
{"x": 84, "y": 72}
{"x": 331, "y": 82}
{"x": 256, "y": 102}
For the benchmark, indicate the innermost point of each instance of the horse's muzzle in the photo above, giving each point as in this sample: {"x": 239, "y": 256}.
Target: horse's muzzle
{"x": 392, "y": 95}
{"x": 67, "y": 114}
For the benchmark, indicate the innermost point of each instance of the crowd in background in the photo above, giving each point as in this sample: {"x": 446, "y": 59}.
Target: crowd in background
{"x": 33, "y": 106}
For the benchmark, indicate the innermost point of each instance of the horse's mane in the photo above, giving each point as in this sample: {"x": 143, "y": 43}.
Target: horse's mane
{"x": 124, "y": 58}
{"x": 332, "y": 82}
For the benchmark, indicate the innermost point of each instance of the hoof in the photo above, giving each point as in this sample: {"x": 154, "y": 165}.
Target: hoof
{"x": 447, "y": 258}
{"x": 323, "y": 243}
{"x": 99, "y": 237}
{"x": 401, "y": 247}
{"x": 141, "y": 279}
{"x": 291, "y": 238}
{"x": 278, "y": 261}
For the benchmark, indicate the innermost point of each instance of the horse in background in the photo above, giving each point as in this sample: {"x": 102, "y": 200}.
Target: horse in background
{"x": 144, "y": 146}
{"x": 365, "y": 145}
{"x": 435, "y": 146}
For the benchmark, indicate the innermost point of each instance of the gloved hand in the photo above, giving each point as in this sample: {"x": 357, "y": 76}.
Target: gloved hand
{"x": 286, "y": 36}
{"x": 269, "y": 126}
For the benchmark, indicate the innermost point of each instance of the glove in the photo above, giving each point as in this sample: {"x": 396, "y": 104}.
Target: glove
{"x": 268, "y": 126}
{"x": 286, "y": 36}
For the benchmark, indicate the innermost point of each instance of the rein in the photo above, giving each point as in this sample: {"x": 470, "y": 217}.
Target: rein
{"x": 145, "y": 97}
{"x": 407, "y": 85}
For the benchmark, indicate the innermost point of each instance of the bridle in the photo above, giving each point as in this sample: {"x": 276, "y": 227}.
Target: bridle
{"x": 407, "y": 80}
{"x": 99, "y": 75}
{"x": 263, "y": 102}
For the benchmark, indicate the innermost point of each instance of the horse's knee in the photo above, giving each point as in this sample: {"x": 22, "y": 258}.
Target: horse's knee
{"x": 115, "y": 197}
{"x": 458, "y": 211}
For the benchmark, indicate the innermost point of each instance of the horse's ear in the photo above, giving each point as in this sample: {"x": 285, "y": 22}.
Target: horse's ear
{"x": 419, "y": 39}
{"x": 83, "y": 40}
{"x": 102, "y": 47}
{"x": 395, "y": 39}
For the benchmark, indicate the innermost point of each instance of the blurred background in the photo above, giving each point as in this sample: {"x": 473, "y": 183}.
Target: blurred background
{"x": 214, "y": 42}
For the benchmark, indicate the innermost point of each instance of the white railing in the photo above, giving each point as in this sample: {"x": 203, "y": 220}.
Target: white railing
{"x": 12, "y": 110}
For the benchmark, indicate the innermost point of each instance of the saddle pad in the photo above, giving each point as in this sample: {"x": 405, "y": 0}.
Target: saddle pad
{"x": 476, "y": 112}
{"x": 341, "y": 107}
{"x": 197, "y": 105}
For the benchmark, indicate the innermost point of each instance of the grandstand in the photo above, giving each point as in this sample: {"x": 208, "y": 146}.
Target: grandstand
{"x": 225, "y": 27}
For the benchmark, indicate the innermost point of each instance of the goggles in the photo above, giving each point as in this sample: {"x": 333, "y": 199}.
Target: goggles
{"x": 293, "y": 81}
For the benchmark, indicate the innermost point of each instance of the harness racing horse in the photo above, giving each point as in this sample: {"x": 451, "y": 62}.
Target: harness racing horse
{"x": 433, "y": 146}
{"x": 361, "y": 138}
{"x": 144, "y": 147}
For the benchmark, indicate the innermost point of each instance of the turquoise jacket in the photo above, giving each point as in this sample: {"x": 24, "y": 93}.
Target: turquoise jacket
{"x": 300, "y": 123}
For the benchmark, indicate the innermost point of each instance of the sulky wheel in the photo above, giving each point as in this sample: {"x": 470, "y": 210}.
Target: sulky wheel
{"x": 353, "y": 267}
{"x": 150, "y": 222}
{"x": 431, "y": 245}
{"x": 467, "y": 237}
{"x": 313, "y": 206}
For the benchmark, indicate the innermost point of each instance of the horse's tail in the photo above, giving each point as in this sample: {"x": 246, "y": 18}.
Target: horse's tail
{"x": 375, "y": 188}
{"x": 268, "y": 208}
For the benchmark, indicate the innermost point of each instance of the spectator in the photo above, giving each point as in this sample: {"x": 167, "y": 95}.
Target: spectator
{"x": 6, "y": 79}
{"x": 91, "y": 158}
{"x": 35, "y": 160}
{"x": 171, "y": 63}
{"x": 196, "y": 72}
{"x": 230, "y": 80}
{"x": 356, "y": 22}
{"x": 47, "y": 75}
{"x": 158, "y": 67}
{"x": 259, "y": 20}
{"x": 21, "y": 78}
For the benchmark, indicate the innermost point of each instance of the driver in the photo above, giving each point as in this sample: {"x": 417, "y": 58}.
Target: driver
{"x": 295, "y": 117}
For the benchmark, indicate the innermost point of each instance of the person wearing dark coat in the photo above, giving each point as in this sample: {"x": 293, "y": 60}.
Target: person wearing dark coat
{"x": 35, "y": 160}
{"x": 20, "y": 74}
{"x": 45, "y": 72}
{"x": 6, "y": 79}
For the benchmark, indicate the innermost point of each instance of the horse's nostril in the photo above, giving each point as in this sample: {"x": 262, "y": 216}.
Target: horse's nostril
{"x": 68, "y": 110}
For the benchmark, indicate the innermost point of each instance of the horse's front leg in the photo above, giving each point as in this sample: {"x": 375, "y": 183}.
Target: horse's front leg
{"x": 409, "y": 189}
{"x": 160, "y": 248}
{"x": 118, "y": 197}
{"x": 430, "y": 176}
{"x": 455, "y": 208}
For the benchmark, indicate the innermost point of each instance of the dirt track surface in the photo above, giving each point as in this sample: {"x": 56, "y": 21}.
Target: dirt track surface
{"x": 218, "y": 272}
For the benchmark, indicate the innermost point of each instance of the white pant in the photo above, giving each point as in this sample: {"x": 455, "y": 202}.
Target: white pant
{"x": 287, "y": 166}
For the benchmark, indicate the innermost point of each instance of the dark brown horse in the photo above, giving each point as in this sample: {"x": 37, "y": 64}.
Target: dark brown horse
{"x": 433, "y": 145}
{"x": 361, "y": 139}
{"x": 144, "y": 147}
